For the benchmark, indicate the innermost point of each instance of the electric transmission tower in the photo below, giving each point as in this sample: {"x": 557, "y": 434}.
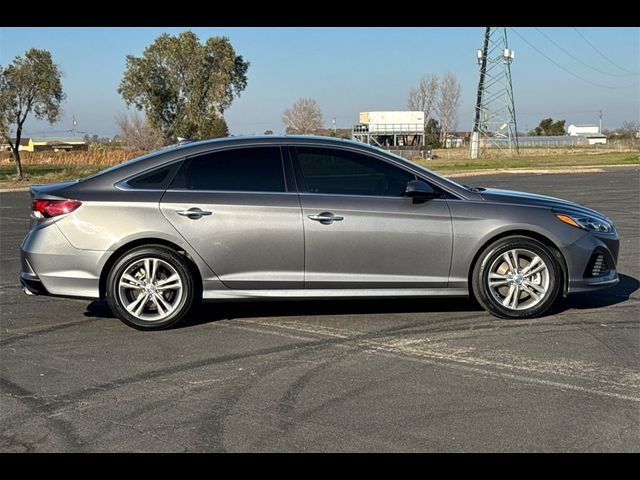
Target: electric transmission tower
{"x": 494, "y": 125}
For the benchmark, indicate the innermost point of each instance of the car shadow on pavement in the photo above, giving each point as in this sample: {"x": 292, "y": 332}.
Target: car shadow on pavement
{"x": 211, "y": 312}
{"x": 599, "y": 298}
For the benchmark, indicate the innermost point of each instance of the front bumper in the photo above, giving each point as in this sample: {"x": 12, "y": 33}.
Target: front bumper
{"x": 581, "y": 256}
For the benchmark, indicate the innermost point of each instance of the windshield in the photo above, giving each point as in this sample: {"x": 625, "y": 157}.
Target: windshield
{"x": 442, "y": 177}
{"x": 128, "y": 162}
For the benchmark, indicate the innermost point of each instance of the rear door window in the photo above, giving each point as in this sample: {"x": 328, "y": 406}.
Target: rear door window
{"x": 251, "y": 169}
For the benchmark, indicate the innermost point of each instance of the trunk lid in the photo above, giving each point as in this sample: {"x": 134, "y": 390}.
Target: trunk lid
{"x": 50, "y": 191}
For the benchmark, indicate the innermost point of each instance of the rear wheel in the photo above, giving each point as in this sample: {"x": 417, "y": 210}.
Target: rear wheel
{"x": 516, "y": 277}
{"x": 151, "y": 288}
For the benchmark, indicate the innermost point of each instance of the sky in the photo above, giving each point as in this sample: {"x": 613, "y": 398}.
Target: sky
{"x": 556, "y": 72}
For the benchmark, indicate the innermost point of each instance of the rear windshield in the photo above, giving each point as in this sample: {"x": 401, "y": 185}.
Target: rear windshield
{"x": 128, "y": 162}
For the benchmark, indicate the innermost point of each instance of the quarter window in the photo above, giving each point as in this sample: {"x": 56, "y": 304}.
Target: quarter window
{"x": 256, "y": 169}
{"x": 157, "y": 179}
{"x": 343, "y": 172}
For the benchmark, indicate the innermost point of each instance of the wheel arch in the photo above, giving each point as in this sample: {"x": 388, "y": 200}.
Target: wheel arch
{"x": 557, "y": 253}
{"x": 146, "y": 242}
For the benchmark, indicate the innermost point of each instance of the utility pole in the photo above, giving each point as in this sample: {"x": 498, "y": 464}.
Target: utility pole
{"x": 600, "y": 117}
{"x": 494, "y": 122}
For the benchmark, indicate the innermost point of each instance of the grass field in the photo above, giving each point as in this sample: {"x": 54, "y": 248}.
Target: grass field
{"x": 531, "y": 161}
{"x": 49, "y": 167}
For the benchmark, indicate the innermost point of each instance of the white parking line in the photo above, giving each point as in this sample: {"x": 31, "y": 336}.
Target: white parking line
{"x": 440, "y": 354}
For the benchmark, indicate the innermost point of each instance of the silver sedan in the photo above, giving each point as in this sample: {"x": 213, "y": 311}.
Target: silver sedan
{"x": 303, "y": 217}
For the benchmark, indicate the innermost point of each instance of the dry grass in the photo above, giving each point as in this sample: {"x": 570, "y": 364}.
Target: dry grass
{"x": 109, "y": 157}
{"x": 49, "y": 167}
{"x": 531, "y": 161}
{"x": 101, "y": 158}
{"x": 463, "y": 153}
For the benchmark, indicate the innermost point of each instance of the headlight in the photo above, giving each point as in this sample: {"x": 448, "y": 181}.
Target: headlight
{"x": 586, "y": 223}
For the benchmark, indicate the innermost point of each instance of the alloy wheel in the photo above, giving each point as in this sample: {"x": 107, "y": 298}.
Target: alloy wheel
{"x": 150, "y": 289}
{"x": 518, "y": 279}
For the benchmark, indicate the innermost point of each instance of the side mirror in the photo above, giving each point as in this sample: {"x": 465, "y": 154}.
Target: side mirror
{"x": 419, "y": 191}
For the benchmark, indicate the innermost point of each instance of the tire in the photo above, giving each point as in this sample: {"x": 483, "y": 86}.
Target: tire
{"x": 151, "y": 288}
{"x": 523, "y": 292}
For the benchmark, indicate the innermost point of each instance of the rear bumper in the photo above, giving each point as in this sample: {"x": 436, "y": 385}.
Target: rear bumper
{"x": 32, "y": 286}
{"x": 52, "y": 266}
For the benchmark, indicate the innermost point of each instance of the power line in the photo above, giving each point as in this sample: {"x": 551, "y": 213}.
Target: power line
{"x": 603, "y": 55}
{"x": 563, "y": 68}
{"x": 578, "y": 60}
{"x": 556, "y": 113}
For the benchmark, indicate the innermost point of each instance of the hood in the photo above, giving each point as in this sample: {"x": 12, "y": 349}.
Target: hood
{"x": 524, "y": 198}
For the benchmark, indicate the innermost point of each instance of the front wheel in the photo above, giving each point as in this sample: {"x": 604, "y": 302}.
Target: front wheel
{"x": 150, "y": 288}
{"x": 516, "y": 277}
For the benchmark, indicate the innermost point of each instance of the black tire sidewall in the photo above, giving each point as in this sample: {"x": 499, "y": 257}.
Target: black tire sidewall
{"x": 493, "y": 251}
{"x": 163, "y": 253}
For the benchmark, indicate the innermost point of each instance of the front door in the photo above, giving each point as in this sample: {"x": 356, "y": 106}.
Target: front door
{"x": 234, "y": 209}
{"x": 361, "y": 232}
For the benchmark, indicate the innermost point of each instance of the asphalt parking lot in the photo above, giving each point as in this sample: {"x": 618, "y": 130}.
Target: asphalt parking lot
{"x": 391, "y": 375}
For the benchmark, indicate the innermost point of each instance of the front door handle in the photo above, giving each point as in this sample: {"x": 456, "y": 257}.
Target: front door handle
{"x": 326, "y": 218}
{"x": 194, "y": 213}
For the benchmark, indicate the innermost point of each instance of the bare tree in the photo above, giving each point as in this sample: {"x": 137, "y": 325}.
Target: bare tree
{"x": 303, "y": 117}
{"x": 423, "y": 97}
{"x": 447, "y": 105}
{"x": 630, "y": 129}
{"x": 136, "y": 132}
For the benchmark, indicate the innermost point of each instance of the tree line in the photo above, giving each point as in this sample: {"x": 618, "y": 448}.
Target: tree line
{"x": 180, "y": 88}
{"x": 181, "y": 85}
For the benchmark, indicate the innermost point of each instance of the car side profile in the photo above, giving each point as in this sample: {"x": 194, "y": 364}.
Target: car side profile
{"x": 270, "y": 217}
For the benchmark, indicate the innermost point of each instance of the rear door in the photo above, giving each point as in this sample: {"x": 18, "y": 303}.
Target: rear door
{"x": 360, "y": 231}
{"x": 237, "y": 211}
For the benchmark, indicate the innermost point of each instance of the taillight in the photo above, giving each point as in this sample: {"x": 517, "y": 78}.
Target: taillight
{"x": 53, "y": 208}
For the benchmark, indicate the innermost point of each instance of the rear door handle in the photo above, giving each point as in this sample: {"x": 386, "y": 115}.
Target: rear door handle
{"x": 326, "y": 218}
{"x": 194, "y": 213}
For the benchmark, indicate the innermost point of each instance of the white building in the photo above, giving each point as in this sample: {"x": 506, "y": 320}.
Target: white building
{"x": 393, "y": 122}
{"x": 582, "y": 129}
{"x": 589, "y": 131}
{"x": 393, "y": 128}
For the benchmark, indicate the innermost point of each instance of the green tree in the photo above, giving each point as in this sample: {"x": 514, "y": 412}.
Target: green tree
{"x": 432, "y": 133}
{"x": 216, "y": 128}
{"x": 184, "y": 86}
{"x": 31, "y": 84}
{"x": 548, "y": 127}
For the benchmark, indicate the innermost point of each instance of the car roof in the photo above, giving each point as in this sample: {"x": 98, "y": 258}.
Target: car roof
{"x": 107, "y": 178}
{"x": 277, "y": 139}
